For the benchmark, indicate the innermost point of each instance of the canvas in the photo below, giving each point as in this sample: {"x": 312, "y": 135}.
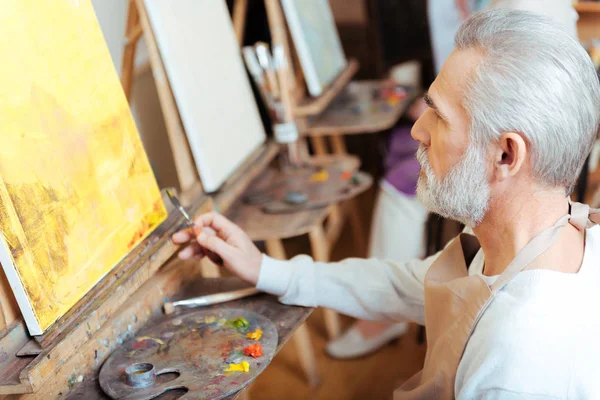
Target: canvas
{"x": 76, "y": 189}
{"x": 317, "y": 42}
{"x": 210, "y": 85}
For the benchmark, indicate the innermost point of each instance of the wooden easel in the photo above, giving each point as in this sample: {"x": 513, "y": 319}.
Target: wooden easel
{"x": 111, "y": 297}
{"x": 315, "y": 122}
{"x": 228, "y": 200}
{"x": 9, "y": 311}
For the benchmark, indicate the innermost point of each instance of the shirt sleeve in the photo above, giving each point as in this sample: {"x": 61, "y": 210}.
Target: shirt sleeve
{"x": 366, "y": 289}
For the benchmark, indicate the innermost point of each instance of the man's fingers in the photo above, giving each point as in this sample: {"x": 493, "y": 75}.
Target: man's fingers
{"x": 182, "y": 236}
{"x": 216, "y": 245}
{"x": 221, "y": 225}
{"x": 191, "y": 251}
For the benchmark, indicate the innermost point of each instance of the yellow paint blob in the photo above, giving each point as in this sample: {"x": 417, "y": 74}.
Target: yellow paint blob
{"x": 241, "y": 367}
{"x": 256, "y": 335}
{"x": 320, "y": 176}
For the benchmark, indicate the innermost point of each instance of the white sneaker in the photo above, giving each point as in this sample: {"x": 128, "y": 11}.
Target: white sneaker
{"x": 353, "y": 345}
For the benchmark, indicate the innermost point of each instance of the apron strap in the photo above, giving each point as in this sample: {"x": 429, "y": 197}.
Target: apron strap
{"x": 580, "y": 216}
{"x": 539, "y": 244}
{"x": 594, "y": 217}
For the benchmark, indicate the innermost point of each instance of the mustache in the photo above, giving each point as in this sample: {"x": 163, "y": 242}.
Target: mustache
{"x": 422, "y": 157}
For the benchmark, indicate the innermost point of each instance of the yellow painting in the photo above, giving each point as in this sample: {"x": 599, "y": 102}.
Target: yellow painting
{"x": 76, "y": 189}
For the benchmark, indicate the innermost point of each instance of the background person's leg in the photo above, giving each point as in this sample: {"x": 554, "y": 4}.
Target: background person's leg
{"x": 397, "y": 233}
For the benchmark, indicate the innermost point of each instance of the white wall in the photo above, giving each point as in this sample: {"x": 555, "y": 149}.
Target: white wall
{"x": 112, "y": 15}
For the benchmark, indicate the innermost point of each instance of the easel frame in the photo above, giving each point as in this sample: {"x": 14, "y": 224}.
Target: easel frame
{"x": 302, "y": 105}
{"x": 138, "y": 25}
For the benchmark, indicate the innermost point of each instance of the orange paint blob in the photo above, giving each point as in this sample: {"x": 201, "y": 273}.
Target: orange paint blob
{"x": 254, "y": 350}
{"x": 347, "y": 175}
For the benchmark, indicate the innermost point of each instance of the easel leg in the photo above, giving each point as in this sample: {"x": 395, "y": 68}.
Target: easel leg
{"x": 301, "y": 337}
{"x": 240, "y": 9}
{"x": 319, "y": 145}
{"x": 275, "y": 249}
{"x": 356, "y": 226}
{"x": 320, "y": 250}
{"x": 338, "y": 144}
{"x": 133, "y": 31}
{"x": 335, "y": 222}
{"x": 306, "y": 355}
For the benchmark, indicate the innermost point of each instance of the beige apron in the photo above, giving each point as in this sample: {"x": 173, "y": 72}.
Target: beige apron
{"x": 455, "y": 301}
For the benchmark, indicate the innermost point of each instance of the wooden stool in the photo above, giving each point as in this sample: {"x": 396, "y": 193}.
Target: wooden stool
{"x": 323, "y": 227}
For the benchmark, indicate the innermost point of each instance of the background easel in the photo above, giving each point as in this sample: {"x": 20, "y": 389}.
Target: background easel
{"x": 324, "y": 128}
{"x": 314, "y": 122}
{"x": 323, "y": 226}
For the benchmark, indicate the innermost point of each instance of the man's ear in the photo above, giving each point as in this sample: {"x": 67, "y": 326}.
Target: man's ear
{"x": 510, "y": 154}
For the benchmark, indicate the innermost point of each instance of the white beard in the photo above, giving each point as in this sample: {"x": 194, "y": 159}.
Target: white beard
{"x": 463, "y": 194}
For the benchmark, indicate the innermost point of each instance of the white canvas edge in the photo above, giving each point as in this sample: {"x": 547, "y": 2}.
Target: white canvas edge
{"x": 310, "y": 74}
{"x": 209, "y": 185}
{"x": 18, "y": 290}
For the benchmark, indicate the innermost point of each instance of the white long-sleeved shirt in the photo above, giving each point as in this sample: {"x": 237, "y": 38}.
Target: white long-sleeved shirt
{"x": 539, "y": 339}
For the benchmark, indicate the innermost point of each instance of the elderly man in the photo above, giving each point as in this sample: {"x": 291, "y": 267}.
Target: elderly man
{"x": 511, "y": 312}
{"x": 445, "y": 18}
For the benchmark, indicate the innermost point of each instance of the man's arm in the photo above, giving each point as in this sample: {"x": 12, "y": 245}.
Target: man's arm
{"x": 362, "y": 288}
{"x": 368, "y": 289}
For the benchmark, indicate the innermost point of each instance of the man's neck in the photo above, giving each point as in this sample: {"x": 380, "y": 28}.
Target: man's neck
{"x": 516, "y": 219}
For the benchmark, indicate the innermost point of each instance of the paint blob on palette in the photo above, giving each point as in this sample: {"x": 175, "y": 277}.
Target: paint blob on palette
{"x": 211, "y": 353}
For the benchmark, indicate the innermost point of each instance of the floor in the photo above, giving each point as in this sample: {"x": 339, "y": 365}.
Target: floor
{"x": 373, "y": 377}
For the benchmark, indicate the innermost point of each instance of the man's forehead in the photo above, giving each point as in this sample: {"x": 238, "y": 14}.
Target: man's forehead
{"x": 449, "y": 86}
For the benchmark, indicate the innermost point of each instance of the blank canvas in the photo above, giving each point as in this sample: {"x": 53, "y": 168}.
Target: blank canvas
{"x": 317, "y": 42}
{"x": 77, "y": 193}
{"x": 208, "y": 79}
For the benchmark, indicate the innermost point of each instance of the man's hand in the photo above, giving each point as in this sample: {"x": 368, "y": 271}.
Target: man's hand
{"x": 215, "y": 233}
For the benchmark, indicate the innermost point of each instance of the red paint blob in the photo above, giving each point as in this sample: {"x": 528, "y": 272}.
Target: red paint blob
{"x": 254, "y": 350}
{"x": 347, "y": 175}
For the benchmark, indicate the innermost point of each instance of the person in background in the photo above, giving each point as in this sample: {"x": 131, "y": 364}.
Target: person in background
{"x": 398, "y": 224}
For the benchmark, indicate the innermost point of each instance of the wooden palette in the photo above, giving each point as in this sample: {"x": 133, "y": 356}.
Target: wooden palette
{"x": 342, "y": 182}
{"x": 189, "y": 353}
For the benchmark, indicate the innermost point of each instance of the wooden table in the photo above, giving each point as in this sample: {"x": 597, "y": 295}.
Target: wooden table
{"x": 355, "y": 111}
{"x": 286, "y": 318}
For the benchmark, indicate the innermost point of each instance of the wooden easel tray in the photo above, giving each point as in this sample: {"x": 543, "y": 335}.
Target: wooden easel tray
{"x": 262, "y": 226}
{"x": 28, "y": 374}
{"x": 355, "y": 111}
{"x": 316, "y": 105}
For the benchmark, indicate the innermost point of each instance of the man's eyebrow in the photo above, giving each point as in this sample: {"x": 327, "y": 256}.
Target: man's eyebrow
{"x": 433, "y": 106}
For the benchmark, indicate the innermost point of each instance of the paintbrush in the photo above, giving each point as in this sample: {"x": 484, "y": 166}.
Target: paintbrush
{"x": 194, "y": 228}
{"x": 210, "y": 299}
{"x": 266, "y": 62}
{"x": 281, "y": 69}
{"x": 257, "y": 72}
{"x": 177, "y": 204}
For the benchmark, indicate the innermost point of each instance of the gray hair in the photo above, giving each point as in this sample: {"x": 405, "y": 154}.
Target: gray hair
{"x": 536, "y": 79}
